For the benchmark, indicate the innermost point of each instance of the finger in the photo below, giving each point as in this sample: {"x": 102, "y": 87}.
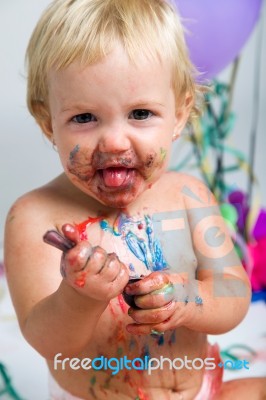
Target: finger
{"x": 80, "y": 279}
{"x": 122, "y": 278}
{"x": 154, "y": 316}
{"x": 77, "y": 258}
{"x": 155, "y": 330}
{"x": 97, "y": 260}
{"x": 116, "y": 287}
{"x": 92, "y": 270}
{"x": 156, "y": 299}
{"x": 71, "y": 232}
{"x": 111, "y": 268}
{"x": 147, "y": 329}
{"x": 154, "y": 281}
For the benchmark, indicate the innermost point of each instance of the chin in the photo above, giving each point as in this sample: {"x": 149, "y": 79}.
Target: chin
{"x": 120, "y": 198}
{"x": 118, "y": 201}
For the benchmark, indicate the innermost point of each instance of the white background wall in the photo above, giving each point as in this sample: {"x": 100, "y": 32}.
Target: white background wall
{"x": 27, "y": 159}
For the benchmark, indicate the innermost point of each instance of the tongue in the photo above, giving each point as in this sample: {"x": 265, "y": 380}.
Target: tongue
{"x": 114, "y": 177}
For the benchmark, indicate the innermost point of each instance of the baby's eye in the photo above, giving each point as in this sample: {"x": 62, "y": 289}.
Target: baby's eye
{"x": 140, "y": 114}
{"x": 84, "y": 118}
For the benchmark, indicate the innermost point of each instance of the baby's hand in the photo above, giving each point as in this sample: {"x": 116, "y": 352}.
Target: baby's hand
{"x": 90, "y": 270}
{"x": 155, "y": 299}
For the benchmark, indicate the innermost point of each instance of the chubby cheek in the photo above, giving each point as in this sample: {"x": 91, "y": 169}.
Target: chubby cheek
{"x": 78, "y": 163}
{"x": 155, "y": 164}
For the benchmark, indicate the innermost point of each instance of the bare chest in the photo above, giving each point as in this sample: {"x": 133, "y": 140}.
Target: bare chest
{"x": 144, "y": 242}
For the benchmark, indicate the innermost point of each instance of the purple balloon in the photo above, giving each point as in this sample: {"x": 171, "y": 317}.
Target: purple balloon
{"x": 259, "y": 230}
{"x": 239, "y": 200}
{"x": 217, "y": 30}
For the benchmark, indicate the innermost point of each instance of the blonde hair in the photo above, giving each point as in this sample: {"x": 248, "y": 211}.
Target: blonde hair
{"x": 87, "y": 30}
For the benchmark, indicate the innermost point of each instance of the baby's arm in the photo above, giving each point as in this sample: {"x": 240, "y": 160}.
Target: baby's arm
{"x": 55, "y": 314}
{"x": 217, "y": 299}
{"x": 221, "y": 279}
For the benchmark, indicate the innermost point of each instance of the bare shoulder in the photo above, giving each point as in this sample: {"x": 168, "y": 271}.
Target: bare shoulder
{"x": 41, "y": 207}
{"x": 32, "y": 209}
{"x": 190, "y": 189}
{"x": 29, "y": 206}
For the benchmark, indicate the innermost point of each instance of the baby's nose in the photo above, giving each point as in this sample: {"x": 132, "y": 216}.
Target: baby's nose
{"x": 114, "y": 141}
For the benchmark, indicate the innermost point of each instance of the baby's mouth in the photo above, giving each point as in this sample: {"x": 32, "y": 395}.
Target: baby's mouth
{"x": 116, "y": 177}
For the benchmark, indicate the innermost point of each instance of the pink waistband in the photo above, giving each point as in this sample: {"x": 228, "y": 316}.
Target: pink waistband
{"x": 212, "y": 379}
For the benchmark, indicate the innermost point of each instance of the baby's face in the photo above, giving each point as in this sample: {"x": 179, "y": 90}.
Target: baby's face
{"x": 113, "y": 123}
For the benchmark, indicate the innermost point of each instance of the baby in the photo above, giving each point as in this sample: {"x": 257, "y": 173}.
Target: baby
{"x": 148, "y": 268}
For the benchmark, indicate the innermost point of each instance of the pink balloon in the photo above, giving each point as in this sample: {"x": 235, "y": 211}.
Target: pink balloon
{"x": 258, "y": 254}
{"x": 218, "y": 29}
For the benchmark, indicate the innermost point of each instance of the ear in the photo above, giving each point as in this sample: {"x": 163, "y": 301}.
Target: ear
{"x": 42, "y": 115}
{"x": 182, "y": 115}
{"x": 46, "y": 127}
